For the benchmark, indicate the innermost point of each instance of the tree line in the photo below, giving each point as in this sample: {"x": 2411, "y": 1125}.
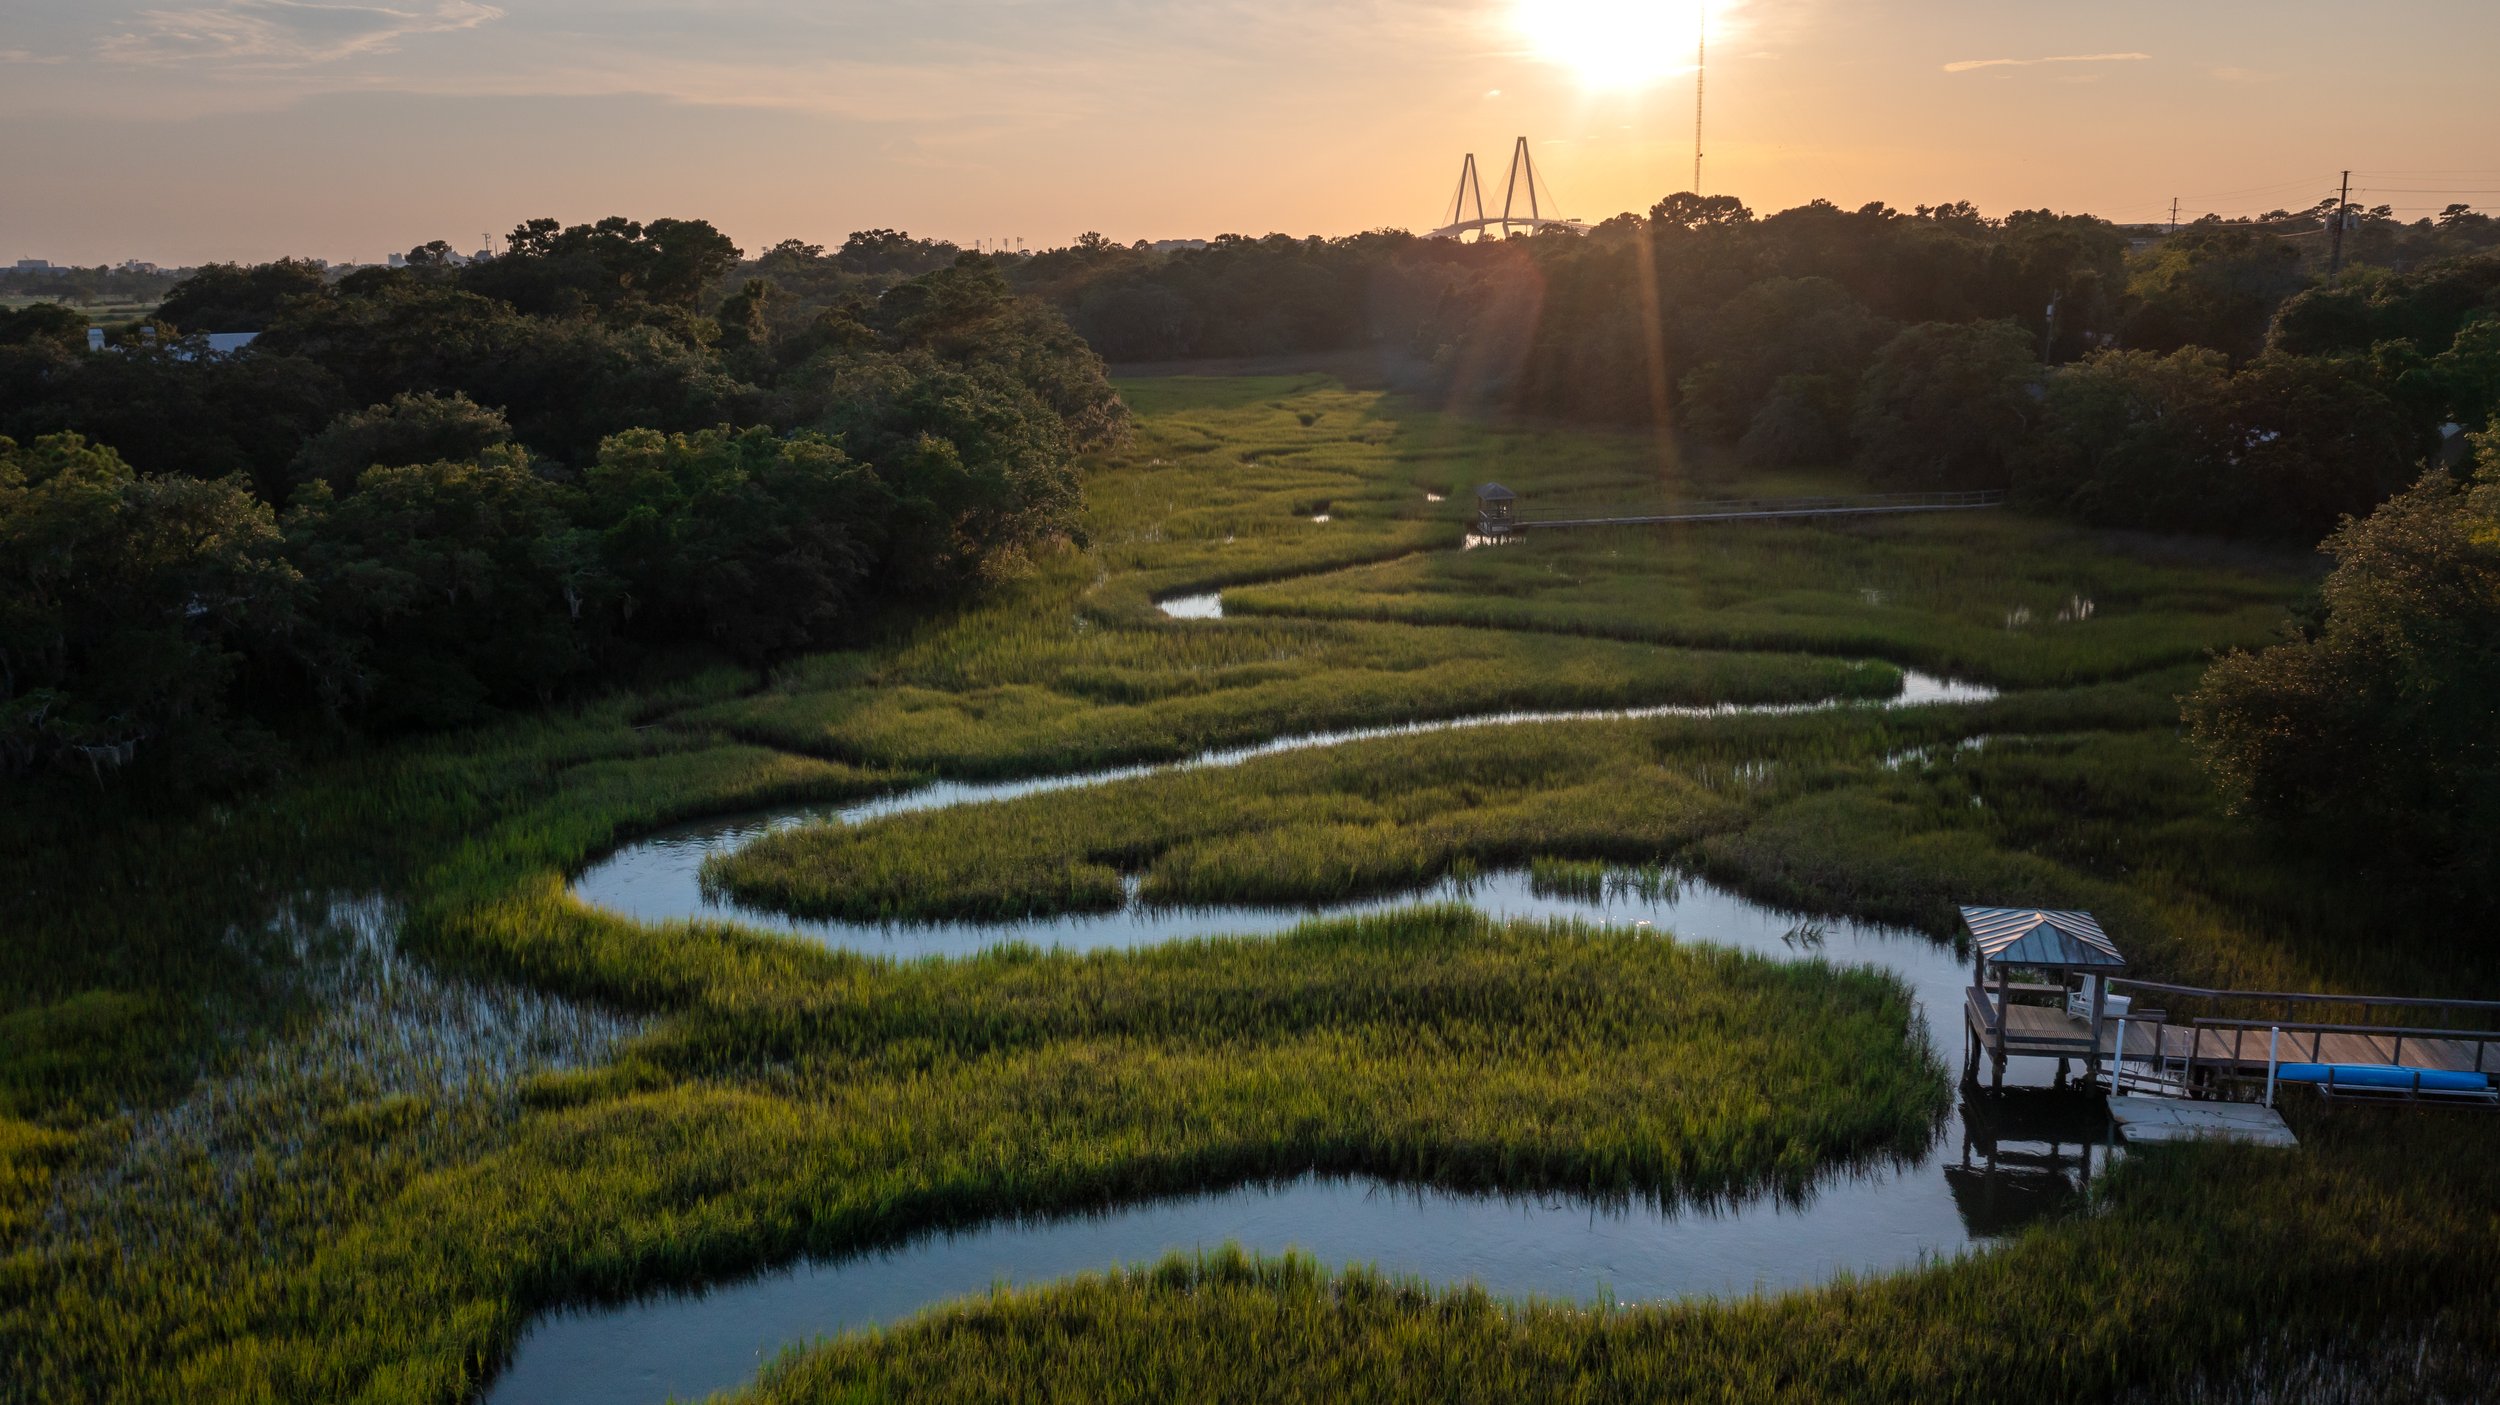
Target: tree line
{"x": 2207, "y": 380}
{"x": 431, "y": 493}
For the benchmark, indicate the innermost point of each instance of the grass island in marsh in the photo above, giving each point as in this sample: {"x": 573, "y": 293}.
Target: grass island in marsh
{"x": 211, "y": 1187}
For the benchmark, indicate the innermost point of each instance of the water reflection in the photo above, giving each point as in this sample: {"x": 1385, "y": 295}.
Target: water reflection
{"x": 2025, "y": 1154}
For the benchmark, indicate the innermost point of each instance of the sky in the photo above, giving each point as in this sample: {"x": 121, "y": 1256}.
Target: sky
{"x": 179, "y": 131}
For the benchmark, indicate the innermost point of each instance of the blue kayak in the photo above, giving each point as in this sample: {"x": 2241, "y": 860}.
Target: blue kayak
{"x": 2426, "y": 1080}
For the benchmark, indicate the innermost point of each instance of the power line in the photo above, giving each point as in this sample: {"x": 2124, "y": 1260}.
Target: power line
{"x": 2256, "y": 189}
{"x": 2343, "y": 215}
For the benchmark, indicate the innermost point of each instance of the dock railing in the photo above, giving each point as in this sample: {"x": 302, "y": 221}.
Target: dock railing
{"x": 2233, "y": 1048}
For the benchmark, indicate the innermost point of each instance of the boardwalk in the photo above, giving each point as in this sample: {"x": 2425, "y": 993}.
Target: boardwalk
{"x": 2233, "y": 1048}
{"x": 1761, "y": 510}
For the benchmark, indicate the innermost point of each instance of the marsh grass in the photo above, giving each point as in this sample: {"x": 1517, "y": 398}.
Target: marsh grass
{"x": 833, "y": 1104}
{"x": 1592, "y": 881}
{"x": 1012, "y": 695}
{"x": 1074, "y": 667}
{"x": 1820, "y": 813}
{"x": 2349, "y": 1272}
{"x": 211, "y": 1071}
{"x": 221, "y": 1178}
{"x": 1931, "y": 592}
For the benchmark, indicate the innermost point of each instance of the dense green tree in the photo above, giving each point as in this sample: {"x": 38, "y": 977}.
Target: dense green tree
{"x": 2434, "y": 333}
{"x": 435, "y": 596}
{"x": 44, "y": 324}
{"x": 745, "y": 317}
{"x": 976, "y": 463}
{"x": 2283, "y": 448}
{"x": 2132, "y": 438}
{"x": 225, "y": 297}
{"x": 1773, "y": 330}
{"x": 2211, "y": 285}
{"x": 1137, "y": 322}
{"x": 2312, "y": 440}
{"x": 2466, "y": 376}
{"x": 493, "y": 504}
{"x": 1944, "y": 405}
{"x": 2376, "y": 731}
{"x": 618, "y": 268}
{"x": 565, "y": 384}
{"x": 409, "y": 428}
{"x": 167, "y": 407}
{"x": 749, "y": 541}
{"x": 1685, "y": 210}
{"x": 128, "y": 605}
{"x": 887, "y": 251}
{"x": 1804, "y": 420}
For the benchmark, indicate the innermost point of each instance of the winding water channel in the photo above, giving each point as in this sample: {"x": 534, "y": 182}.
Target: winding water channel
{"x": 1997, "y": 1162}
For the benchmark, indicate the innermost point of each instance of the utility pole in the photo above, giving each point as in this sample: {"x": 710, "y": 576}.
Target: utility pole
{"x": 2174, "y": 214}
{"x": 2343, "y": 204}
{"x": 1701, "y": 73}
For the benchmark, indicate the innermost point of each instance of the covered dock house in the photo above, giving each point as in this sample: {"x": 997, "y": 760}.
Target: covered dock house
{"x": 1497, "y": 510}
{"x": 2058, "y": 1006}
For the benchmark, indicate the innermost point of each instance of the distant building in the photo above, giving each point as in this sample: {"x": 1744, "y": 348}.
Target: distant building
{"x": 34, "y": 265}
{"x": 138, "y": 266}
{"x": 219, "y": 343}
{"x": 1166, "y": 246}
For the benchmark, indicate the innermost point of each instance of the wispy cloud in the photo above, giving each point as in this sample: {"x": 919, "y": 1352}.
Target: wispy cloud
{"x": 28, "y": 56}
{"x": 283, "y": 33}
{"x": 1966, "y": 65}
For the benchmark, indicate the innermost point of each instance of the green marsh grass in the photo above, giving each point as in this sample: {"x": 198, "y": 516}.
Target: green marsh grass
{"x": 1019, "y": 693}
{"x": 1074, "y": 667}
{"x": 596, "y": 1107}
{"x": 1590, "y": 880}
{"x": 2359, "y": 1270}
{"x": 1995, "y": 596}
{"x": 830, "y": 1104}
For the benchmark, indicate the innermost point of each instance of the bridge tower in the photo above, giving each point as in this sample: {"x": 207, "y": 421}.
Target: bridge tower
{"x": 1470, "y": 194}
{"x": 1525, "y": 202}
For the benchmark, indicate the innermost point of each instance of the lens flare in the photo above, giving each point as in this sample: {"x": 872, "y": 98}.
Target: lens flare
{"x": 1613, "y": 44}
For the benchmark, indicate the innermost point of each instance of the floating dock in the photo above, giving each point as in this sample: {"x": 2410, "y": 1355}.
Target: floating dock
{"x": 2144, "y": 1120}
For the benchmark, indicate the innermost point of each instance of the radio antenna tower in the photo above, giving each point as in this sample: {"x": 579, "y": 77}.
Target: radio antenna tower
{"x": 1701, "y": 70}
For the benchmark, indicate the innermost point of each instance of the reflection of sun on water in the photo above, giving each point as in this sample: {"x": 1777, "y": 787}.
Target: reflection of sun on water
{"x": 1614, "y": 43}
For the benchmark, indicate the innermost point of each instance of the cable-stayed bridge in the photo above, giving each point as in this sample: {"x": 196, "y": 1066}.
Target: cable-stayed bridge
{"x": 1528, "y": 204}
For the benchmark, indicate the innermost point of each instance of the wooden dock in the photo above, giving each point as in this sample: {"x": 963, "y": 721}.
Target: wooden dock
{"x": 2233, "y": 1046}
{"x": 2145, "y": 1050}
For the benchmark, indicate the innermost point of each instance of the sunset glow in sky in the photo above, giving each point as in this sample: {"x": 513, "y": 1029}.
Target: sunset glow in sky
{"x": 181, "y": 130}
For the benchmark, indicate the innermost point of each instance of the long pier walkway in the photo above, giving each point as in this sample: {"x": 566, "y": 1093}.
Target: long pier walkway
{"x": 1497, "y": 519}
{"x": 2152, "y": 1048}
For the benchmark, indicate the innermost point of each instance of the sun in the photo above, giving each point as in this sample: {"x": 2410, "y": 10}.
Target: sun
{"x": 1613, "y": 44}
